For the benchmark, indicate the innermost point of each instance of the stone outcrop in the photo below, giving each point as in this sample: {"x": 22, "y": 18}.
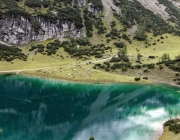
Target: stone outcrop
{"x": 20, "y": 31}
{"x": 94, "y": 9}
{"x": 81, "y": 3}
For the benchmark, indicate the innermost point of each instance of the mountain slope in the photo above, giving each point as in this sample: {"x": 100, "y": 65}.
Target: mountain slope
{"x": 132, "y": 38}
{"x": 28, "y": 20}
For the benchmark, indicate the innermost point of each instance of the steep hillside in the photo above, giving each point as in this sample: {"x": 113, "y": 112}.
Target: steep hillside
{"x": 22, "y": 21}
{"x": 27, "y": 20}
{"x": 133, "y": 38}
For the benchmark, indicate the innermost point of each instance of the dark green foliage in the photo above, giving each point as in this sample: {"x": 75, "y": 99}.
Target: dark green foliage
{"x": 17, "y": 11}
{"x": 10, "y": 53}
{"x": 52, "y": 47}
{"x": 71, "y": 15}
{"x": 88, "y": 23}
{"x": 112, "y": 24}
{"x": 174, "y": 125}
{"x": 37, "y": 3}
{"x": 172, "y": 10}
{"x": 150, "y": 66}
{"x": 137, "y": 66}
{"x": 124, "y": 36}
{"x": 100, "y": 26}
{"x": 114, "y": 32}
{"x": 91, "y": 138}
{"x": 146, "y": 78}
{"x": 36, "y": 26}
{"x": 33, "y": 48}
{"x": 122, "y": 54}
{"x": 83, "y": 42}
{"x": 96, "y": 3}
{"x": 65, "y": 14}
{"x": 115, "y": 59}
{"x": 85, "y": 48}
{"x": 165, "y": 57}
{"x": 152, "y": 57}
{"x": 107, "y": 64}
{"x": 140, "y": 34}
{"x": 137, "y": 79}
{"x": 12, "y": 8}
{"x": 8, "y": 4}
{"x": 66, "y": 2}
{"x": 119, "y": 44}
{"x": 173, "y": 64}
{"x": 122, "y": 58}
{"x": 40, "y": 48}
{"x": 134, "y": 12}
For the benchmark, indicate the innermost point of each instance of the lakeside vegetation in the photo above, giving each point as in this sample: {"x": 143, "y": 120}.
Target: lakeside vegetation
{"x": 171, "y": 129}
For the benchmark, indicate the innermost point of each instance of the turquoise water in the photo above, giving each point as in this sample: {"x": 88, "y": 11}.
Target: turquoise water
{"x": 41, "y": 109}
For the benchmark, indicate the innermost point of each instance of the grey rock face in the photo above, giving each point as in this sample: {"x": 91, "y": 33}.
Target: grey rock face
{"x": 81, "y": 3}
{"x": 93, "y": 9}
{"x": 20, "y": 31}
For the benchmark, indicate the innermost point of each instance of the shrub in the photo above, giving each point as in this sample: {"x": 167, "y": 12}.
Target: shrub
{"x": 146, "y": 78}
{"x": 37, "y": 3}
{"x": 119, "y": 44}
{"x": 137, "y": 79}
{"x": 124, "y": 36}
{"x": 152, "y": 57}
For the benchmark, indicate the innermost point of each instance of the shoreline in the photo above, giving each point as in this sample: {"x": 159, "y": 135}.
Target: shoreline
{"x": 90, "y": 81}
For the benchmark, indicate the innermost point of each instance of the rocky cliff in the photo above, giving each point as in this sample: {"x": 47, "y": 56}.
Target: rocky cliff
{"x": 20, "y": 31}
{"x": 94, "y": 9}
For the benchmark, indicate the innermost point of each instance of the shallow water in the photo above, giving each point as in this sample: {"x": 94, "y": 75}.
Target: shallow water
{"x": 41, "y": 109}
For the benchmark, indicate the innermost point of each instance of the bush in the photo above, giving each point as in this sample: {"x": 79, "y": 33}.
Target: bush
{"x": 9, "y": 53}
{"x": 152, "y": 57}
{"x": 137, "y": 79}
{"x": 37, "y": 3}
{"x": 174, "y": 125}
{"x": 146, "y": 78}
{"x": 119, "y": 44}
{"x": 91, "y": 138}
{"x": 124, "y": 36}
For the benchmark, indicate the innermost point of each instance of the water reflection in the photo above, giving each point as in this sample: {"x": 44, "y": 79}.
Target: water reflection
{"x": 38, "y": 109}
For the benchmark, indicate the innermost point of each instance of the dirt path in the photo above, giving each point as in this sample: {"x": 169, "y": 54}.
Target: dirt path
{"x": 41, "y": 68}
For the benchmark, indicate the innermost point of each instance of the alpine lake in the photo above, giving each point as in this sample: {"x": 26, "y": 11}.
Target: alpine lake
{"x": 45, "y": 109}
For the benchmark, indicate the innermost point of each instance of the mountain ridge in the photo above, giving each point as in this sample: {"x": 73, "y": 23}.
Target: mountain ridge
{"x": 157, "y": 18}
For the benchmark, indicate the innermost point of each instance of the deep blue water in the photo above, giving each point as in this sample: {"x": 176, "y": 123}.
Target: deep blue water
{"x": 41, "y": 109}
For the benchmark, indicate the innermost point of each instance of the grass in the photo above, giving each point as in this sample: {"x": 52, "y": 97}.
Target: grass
{"x": 168, "y": 135}
{"x": 170, "y": 46}
{"x": 67, "y": 68}
{"x": 69, "y": 64}
{"x": 32, "y": 11}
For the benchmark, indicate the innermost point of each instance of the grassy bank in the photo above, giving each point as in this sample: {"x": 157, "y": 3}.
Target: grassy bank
{"x": 171, "y": 130}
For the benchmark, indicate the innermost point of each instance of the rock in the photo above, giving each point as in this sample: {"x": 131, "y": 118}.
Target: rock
{"x": 93, "y": 9}
{"x": 19, "y": 30}
{"x": 81, "y": 3}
